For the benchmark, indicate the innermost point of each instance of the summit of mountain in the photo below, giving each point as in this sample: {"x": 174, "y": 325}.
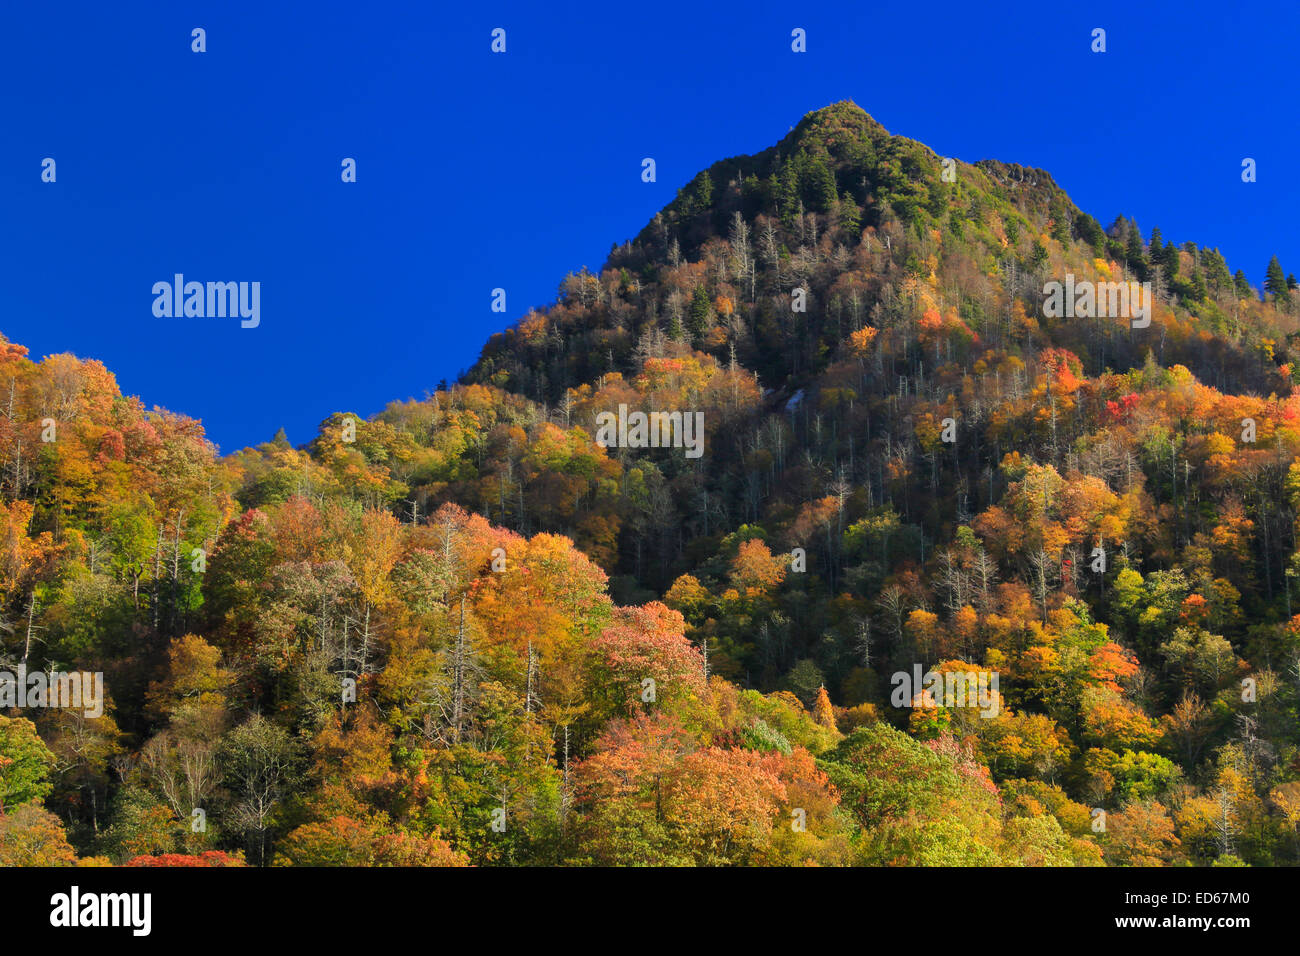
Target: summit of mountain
{"x": 877, "y": 230}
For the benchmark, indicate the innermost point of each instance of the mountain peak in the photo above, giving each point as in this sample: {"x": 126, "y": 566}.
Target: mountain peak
{"x": 830, "y": 124}
{"x": 854, "y": 215}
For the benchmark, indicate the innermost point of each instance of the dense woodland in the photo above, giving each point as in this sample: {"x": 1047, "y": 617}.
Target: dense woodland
{"x": 499, "y": 588}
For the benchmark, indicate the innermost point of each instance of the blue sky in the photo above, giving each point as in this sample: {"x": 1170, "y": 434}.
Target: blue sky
{"x": 478, "y": 170}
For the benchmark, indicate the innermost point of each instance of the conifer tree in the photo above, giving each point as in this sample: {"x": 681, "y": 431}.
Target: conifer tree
{"x": 698, "y": 318}
{"x": 1275, "y": 283}
{"x": 1242, "y": 284}
{"x": 822, "y": 710}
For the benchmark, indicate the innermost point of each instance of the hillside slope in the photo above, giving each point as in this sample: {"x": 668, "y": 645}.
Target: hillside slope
{"x": 467, "y": 611}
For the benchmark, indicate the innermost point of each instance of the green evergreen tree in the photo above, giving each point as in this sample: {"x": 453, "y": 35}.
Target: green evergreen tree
{"x": 1242, "y": 285}
{"x": 1038, "y": 255}
{"x": 1089, "y": 230}
{"x": 787, "y": 193}
{"x": 818, "y": 186}
{"x": 850, "y": 216}
{"x": 700, "y": 315}
{"x": 1216, "y": 270}
{"x": 1157, "y": 245}
{"x": 1135, "y": 254}
{"x": 1012, "y": 228}
{"x": 1169, "y": 259}
{"x": 1275, "y": 283}
{"x": 698, "y": 196}
{"x": 1060, "y": 225}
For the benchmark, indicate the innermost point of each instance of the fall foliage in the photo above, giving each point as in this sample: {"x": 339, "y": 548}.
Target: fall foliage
{"x": 463, "y": 632}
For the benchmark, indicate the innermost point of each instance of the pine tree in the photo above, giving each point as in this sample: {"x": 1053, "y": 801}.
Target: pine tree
{"x": 1089, "y": 230}
{"x": 675, "y": 330}
{"x": 787, "y": 193}
{"x": 1169, "y": 259}
{"x": 1242, "y": 284}
{"x": 700, "y": 314}
{"x": 1275, "y": 282}
{"x": 1135, "y": 254}
{"x": 850, "y": 217}
{"x": 1216, "y": 270}
{"x": 819, "y": 186}
{"x": 1060, "y": 216}
{"x": 698, "y": 196}
{"x": 822, "y": 710}
{"x": 1038, "y": 255}
{"x": 1199, "y": 289}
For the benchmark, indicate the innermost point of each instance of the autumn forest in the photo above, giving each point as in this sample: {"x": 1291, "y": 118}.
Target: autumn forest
{"x": 464, "y": 632}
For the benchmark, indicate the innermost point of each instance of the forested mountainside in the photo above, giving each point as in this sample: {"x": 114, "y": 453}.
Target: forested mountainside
{"x": 465, "y": 631}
